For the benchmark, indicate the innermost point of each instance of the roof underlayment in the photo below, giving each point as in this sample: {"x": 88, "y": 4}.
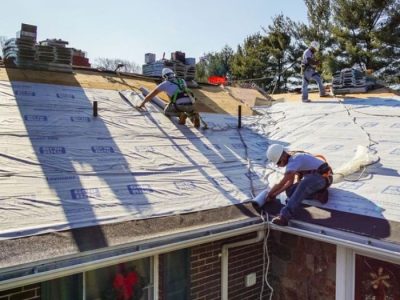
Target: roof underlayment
{"x": 61, "y": 168}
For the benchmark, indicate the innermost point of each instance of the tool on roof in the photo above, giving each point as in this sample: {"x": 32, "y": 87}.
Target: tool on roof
{"x": 118, "y": 67}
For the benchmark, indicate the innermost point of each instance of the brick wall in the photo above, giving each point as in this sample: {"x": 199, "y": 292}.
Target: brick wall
{"x": 29, "y": 292}
{"x": 206, "y": 270}
{"x": 300, "y": 268}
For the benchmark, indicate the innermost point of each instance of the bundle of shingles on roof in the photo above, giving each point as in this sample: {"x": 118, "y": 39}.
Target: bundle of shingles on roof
{"x": 349, "y": 81}
{"x": 183, "y": 67}
{"x": 24, "y": 52}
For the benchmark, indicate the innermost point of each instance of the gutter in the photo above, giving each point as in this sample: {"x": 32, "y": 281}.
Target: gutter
{"x": 55, "y": 268}
{"x": 27, "y": 274}
{"x": 225, "y": 260}
{"x": 363, "y": 244}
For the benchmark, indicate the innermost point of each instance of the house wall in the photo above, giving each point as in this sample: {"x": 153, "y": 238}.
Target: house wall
{"x": 300, "y": 268}
{"x": 206, "y": 270}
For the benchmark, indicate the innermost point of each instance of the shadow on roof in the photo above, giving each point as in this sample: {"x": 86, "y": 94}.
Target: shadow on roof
{"x": 375, "y": 227}
{"x": 51, "y": 141}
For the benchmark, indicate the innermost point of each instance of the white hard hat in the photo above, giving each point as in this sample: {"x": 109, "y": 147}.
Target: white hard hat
{"x": 315, "y": 45}
{"x": 274, "y": 153}
{"x": 166, "y": 73}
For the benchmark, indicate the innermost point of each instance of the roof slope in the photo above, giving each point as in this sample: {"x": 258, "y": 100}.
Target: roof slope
{"x": 67, "y": 169}
{"x": 62, "y": 168}
{"x": 334, "y": 129}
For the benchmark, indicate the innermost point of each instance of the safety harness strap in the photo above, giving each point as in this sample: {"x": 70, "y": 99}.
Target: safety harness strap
{"x": 182, "y": 90}
{"x": 325, "y": 170}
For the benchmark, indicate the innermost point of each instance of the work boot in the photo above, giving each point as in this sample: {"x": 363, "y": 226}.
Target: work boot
{"x": 280, "y": 220}
{"x": 182, "y": 119}
{"x": 196, "y": 120}
{"x": 322, "y": 196}
{"x": 305, "y": 100}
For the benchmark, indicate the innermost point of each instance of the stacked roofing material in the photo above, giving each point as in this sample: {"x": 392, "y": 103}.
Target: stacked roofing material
{"x": 62, "y": 54}
{"x": 178, "y": 67}
{"x": 149, "y": 58}
{"x": 178, "y": 56}
{"x": 153, "y": 69}
{"x": 24, "y": 52}
{"x": 183, "y": 67}
{"x": 190, "y": 72}
{"x": 79, "y": 58}
{"x": 21, "y": 50}
{"x": 349, "y": 81}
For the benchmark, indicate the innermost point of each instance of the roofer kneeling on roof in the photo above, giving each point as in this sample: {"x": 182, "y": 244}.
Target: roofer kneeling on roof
{"x": 181, "y": 98}
{"x": 306, "y": 177}
{"x": 308, "y": 65}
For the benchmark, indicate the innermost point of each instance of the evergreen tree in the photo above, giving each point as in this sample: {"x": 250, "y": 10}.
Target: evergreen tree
{"x": 278, "y": 46}
{"x": 250, "y": 60}
{"x": 201, "y": 69}
{"x": 364, "y": 30}
{"x": 214, "y": 64}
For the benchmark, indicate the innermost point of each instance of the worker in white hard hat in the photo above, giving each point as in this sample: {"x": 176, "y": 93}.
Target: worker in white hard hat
{"x": 308, "y": 71}
{"x": 306, "y": 177}
{"x": 181, "y": 103}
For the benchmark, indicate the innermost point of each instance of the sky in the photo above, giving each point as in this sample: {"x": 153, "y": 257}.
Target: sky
{"x": 127, "y": 29}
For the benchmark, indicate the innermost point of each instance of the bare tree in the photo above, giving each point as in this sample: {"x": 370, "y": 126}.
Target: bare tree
{"x": 112, "y": 64}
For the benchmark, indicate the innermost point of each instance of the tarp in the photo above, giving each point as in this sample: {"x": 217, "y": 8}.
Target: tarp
{"x": 63, "y": 168}
{"x": 335, "y": 129}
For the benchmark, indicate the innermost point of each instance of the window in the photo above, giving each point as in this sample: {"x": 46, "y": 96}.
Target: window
{"x": 125, "y": 281}
{"x": 177, "y": 275}
{"x": 64, "y": 288}
{"x": 376, "y": 279}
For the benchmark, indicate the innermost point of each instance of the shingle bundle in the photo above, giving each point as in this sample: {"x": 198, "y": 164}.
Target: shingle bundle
{"x": 153, "y": 69}
{"x": 183, "y": 67}
{"x": 79, "y": 58}
{"x": 349, "y": 81}
{"x": 21, "y": 50}
{"x": 25, "y": 52}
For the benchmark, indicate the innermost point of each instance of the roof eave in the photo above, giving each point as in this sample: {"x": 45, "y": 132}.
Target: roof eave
{"x": 90, "y": 260}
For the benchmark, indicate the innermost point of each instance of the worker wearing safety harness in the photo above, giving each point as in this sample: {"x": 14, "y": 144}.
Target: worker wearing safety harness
{"x": 306, "y": 177}
{"x": 308, "y": 65}
{"x": 181, "y": 98}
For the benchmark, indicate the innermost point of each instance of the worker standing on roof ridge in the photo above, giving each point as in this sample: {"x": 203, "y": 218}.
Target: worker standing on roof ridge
{"x": 181, "y": 98}
{"x": 308, "y": 72}
{"x": 313, "y": 176}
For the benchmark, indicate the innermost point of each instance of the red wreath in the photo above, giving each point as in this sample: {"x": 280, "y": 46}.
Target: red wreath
{"x": 124, "y": 284}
